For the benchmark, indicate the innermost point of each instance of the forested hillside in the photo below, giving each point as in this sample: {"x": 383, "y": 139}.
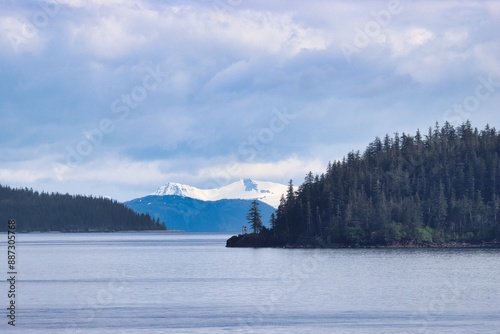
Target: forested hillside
{"x": 36, "y": 211}
{"x": 443, "y": 186}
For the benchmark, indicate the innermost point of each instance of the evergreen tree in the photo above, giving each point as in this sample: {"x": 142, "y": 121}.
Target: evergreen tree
{"x": 254, "y": 218}
{"x": 273, "y": 223}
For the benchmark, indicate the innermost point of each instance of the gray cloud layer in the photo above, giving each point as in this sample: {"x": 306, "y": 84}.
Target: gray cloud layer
{"x": 117, "y": 97}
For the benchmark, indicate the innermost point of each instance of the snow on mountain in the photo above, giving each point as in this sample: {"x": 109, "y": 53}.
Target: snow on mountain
{"x": 267, "y": 192}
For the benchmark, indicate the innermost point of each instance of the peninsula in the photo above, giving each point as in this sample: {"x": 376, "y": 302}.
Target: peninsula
{"x": 433, "y": 190}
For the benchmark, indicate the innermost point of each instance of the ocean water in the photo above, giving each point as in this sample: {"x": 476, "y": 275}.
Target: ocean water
{"x": 190, "y": 283}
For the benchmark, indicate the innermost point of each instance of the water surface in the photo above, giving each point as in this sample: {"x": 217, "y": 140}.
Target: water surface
{"x": 190, "y": 283}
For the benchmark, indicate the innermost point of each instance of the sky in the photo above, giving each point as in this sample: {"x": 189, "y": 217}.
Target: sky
{"x": 115, "y": 98}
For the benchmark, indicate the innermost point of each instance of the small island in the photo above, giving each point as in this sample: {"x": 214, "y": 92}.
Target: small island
{"x": 441, "y": 189}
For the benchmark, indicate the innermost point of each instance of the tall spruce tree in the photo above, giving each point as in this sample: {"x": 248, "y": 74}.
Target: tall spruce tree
{"x": 254, "y": 218}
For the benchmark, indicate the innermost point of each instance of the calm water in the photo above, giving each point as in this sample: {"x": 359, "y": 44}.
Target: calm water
{"x": 191, "y": 283}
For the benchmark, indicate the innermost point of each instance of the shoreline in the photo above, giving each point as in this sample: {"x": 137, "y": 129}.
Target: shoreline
{"x": 255, "y": 241}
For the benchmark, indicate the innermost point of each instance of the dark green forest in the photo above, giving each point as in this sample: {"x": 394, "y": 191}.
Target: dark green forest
{"x": 438, "y": 187}
{"x": 44, "y": 212}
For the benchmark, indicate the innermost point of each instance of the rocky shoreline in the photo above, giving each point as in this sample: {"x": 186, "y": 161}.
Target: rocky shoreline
{"x": 259, "y": 241}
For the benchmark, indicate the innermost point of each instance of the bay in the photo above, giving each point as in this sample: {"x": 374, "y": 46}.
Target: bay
{"x": 190, "y": 283}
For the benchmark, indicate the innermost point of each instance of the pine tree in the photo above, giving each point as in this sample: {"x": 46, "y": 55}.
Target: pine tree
{"x": 254, "y": 218}
{"x": 273, "y": 223}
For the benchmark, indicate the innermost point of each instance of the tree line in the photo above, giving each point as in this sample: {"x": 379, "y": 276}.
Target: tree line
{"x": 443, "y": 186}
{"x": 41, "y": 211}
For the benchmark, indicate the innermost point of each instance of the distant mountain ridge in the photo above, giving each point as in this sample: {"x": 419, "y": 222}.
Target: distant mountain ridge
{"x": 222, "y": 209}
{"x": 248, "y": 189}
{"x": 193, "y": 215}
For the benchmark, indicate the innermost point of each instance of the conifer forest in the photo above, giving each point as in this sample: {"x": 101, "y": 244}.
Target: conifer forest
{"x": 439, "y": 186}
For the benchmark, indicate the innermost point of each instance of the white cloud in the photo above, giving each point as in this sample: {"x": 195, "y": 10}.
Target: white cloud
{"x": 135, "y": 178}
{"x": 109, "y": 38}
{"x": 429, "y": 57}
{"x": 282, "y": 170}
{"x": 20, "y": 36}
{"x": 128, "y": 178}
{"x": 227, "y": 70}
{"x": 97, "y": 3}
{"x": 271, "y": 32}
{"x": 402, "y": 43}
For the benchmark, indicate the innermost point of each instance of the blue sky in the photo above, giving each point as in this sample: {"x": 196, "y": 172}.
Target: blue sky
{"x": 115, "y": 98}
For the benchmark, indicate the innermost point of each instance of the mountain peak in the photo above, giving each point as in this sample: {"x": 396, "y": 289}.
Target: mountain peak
{"x": 178, "y": 189}
{"x": 267, "y": 192}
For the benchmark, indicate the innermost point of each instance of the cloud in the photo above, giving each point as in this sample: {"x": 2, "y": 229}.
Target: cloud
{"x": 281, "y": 171}
{"x": 409, "y": 40}
{"x": 225, "y": 69}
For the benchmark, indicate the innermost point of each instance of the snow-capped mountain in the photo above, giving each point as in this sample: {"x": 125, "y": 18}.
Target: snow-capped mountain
{"x": 193, "y": 215}
{"x": 222, "y": 209}
{"x": 267, "y": 192}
